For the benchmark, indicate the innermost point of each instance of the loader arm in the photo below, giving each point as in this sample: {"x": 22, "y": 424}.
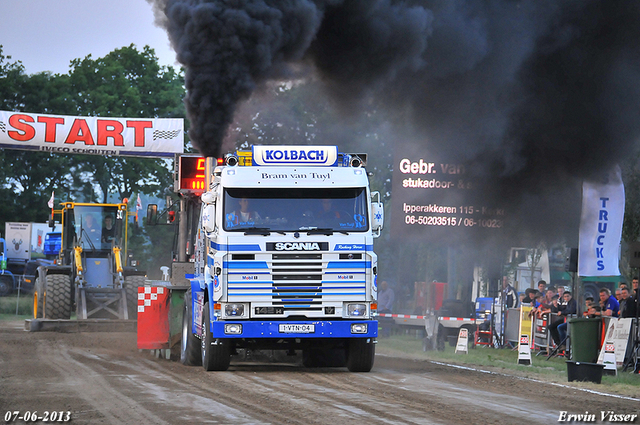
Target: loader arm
{"x": 117, "y": 255}
{"x": 77, "y": 252}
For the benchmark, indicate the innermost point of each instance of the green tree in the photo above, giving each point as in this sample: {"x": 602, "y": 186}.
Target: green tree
{"x": 29, "y": 177}
{"x": 126, "y": 83}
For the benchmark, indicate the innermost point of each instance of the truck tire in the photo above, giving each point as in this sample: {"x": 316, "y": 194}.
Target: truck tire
{"x": 131, "y": 285}
{"x": 6, "y": 285}
{"x": 214, "y": 357}
{"x": 58, "y": 297}
{"x": 189, "y": 345}
{"x": 360, "y": 354}
{"x": 38, "y": 299}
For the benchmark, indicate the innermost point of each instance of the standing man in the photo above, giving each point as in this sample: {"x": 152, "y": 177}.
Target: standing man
{"x": 386, "y": 297}
{"x": 509, "y": 294}
{"x": 618, "y": 295}
{"x": 634, "y": 286}
{"x": 627, "y": 304}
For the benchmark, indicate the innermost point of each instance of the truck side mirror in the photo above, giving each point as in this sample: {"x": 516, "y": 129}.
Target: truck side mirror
{"x": 377, "y": 215}
{"x": 152, "y": 214}
{"x": 209, "y": 217}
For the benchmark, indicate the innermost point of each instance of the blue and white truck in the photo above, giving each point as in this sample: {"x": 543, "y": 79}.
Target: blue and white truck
{"x": 284, "y": 259}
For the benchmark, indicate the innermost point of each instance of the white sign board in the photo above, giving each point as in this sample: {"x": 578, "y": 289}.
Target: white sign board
{"x": 18, "y": 239}
{"x": 618, "y": 331}
{"x": 148, "y": 137}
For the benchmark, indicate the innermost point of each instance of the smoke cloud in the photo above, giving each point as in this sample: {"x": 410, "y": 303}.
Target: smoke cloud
{"x": 533, "y": 95}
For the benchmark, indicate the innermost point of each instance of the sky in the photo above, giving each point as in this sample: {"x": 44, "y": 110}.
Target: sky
{"x": 46, "y": 35}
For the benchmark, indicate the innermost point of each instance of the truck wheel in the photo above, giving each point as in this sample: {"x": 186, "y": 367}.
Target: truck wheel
{"x": 214, "y": 357}
{"x": 360, "y": 354}
{"x": 131, "y": 285}
{"x": 189, "y": 345}
{"x": 6, "y": 285}
{"x": 38, "y": 299}
{"x": 58, "y": 303}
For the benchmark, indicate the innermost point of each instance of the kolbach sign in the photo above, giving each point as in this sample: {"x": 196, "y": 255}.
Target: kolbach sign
{"x": 155, "y": 137}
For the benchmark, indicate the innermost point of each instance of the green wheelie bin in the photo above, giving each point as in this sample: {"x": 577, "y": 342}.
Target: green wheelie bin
{"x": 585, "y": 339}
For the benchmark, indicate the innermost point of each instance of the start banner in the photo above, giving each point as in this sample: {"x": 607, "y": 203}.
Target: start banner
{"x": 152, "y": 137}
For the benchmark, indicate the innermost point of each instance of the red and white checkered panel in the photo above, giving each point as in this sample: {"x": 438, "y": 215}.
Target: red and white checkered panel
{"x": 146, "y": 295}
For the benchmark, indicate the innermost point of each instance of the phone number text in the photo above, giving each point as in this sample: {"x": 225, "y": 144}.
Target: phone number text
{"x": 430, "y": 220}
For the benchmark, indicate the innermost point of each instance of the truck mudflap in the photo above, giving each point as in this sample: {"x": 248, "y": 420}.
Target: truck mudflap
{"x": 295, "y": 329}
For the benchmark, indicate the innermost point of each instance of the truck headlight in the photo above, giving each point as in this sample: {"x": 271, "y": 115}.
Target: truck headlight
{"x": 234, "y": 310}
{"x": 359, "y": 328}
{"x": 356, "y": 310}
{"x": 233, "y": 329}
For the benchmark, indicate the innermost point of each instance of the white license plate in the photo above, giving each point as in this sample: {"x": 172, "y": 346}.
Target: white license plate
{"x": 298, "y": 329}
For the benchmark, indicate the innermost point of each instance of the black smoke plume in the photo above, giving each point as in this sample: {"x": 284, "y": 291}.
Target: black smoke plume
{"x": 534, "y": 95}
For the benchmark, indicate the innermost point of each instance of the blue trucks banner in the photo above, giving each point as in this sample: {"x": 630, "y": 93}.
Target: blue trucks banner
{"x": 146, "y": 137}
{"x": 601, "y": 226}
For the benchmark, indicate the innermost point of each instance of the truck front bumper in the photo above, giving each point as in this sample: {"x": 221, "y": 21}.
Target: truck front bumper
{"x": 295, "y": 329}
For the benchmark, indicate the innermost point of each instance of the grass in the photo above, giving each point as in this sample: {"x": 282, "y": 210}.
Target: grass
{"x": 8, "y": 307}
{"x": 503, "y": 361}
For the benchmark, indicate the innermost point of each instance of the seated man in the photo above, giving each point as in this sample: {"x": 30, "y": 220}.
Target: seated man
{"x": 328, "y": 215}
{"x": 108, "y": 231}
{"x": 609, "y": 304}
{"x": 90, "y": 230}
{"x": 243, "y": 215}
{"x": 558, "y": 329}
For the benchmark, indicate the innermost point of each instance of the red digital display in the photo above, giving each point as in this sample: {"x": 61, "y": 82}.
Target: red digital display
{"x": 191, "y": 174}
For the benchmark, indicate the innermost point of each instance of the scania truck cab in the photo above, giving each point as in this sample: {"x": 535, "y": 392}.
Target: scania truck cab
{"x": 284, "y": 259}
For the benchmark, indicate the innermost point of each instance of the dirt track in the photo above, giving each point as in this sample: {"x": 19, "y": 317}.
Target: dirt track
{"x": 103, "y": 378}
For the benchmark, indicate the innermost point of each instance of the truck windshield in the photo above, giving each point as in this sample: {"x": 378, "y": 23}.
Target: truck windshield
{"x": 303, "y": 209}
{"x": 96, "y": 227}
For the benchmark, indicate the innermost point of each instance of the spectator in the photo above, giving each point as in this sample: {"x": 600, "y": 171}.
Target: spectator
{"x": 594, "y": 311}
{"x": 588, "y": 302}
{"x": 608, "y": 304}
{"x": 542, "y": 286}
{"x": 560, "y": 292}
{"x": 627, "y": 304}
{"x": 529, "y": 296}
{"x": 549, "y": 296}
{"x": 634, "y": 287}
{"x": 537, "y": 304}
{"x": 558, "y": 330}
{"x": 618, "y": 295}
{"x": 553, "y": 308}
{"x": 385, "y": 298}
{"x": 385, "y": 306}
{"x": 509, "y": 294}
